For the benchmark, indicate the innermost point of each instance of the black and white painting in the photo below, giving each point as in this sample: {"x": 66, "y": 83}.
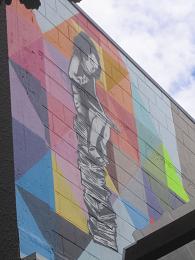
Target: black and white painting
{"x": 93, "y": 132}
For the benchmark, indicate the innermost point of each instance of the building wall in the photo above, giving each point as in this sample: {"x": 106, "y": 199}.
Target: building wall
{"x": 59, "y": 123}
{"x": 184, "y": 252}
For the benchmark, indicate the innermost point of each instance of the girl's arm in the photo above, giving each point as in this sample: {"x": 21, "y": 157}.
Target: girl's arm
{"x": 73, "y": 69}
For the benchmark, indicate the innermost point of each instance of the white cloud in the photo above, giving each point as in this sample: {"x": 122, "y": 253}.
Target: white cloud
{"x": 158, "y": 35}
{"x": 185, "y": 97}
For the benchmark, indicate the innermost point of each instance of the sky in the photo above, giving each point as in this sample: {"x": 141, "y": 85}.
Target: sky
{"x": 158, "y": 35}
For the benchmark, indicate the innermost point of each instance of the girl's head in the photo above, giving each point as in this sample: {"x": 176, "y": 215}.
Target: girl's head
{"x": 90, "y": 63}
{"x": 87, "y": 52}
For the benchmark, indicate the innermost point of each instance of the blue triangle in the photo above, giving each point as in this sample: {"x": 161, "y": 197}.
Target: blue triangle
{"x": 139, "y": 220}
{"x": 31, "y": 238}
{"x": 39, "y": 180}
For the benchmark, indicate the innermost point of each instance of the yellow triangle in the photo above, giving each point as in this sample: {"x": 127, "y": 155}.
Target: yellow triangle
{"x": 109, "y": 183}
{"x": 65, "y": 203}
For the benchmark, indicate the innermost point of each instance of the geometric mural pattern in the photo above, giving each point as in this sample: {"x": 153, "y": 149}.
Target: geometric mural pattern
{"x": 143, "y": 175}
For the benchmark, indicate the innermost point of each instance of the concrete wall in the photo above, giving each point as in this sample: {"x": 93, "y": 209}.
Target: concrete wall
{"x": 99, "y": 150}
{"x": 185, "y": 252}
{"x": 9, "y": 235}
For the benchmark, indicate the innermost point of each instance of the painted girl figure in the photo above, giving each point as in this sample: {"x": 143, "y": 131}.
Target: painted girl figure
{"x": 93, "y": 132}
{"x": 84, "y": 70}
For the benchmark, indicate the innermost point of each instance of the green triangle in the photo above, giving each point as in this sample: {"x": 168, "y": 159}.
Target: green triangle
{"x": 174, "y": 181}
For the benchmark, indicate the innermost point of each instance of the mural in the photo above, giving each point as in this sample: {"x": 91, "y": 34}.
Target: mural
{"x": 95, "y": 146}
{"x": 93, "y": 132}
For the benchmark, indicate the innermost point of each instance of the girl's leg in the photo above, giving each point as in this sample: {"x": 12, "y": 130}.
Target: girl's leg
{"x": 80, "y": 123}
{"x": 94, "y": 133}
{"x": 106, "y": 137}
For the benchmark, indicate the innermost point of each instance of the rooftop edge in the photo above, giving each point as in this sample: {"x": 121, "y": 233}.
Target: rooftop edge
{"x": 133, "y": 61}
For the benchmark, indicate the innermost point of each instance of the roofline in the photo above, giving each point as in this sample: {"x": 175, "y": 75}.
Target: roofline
{"x": 164, "y": 240}
{"x": 133, "y": 61}
{"x": 170, "y": 232}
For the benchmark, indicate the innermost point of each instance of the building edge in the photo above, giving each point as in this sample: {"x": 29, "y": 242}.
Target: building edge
{"x": 9, "y": 239}
{"x": 133, "y": 61}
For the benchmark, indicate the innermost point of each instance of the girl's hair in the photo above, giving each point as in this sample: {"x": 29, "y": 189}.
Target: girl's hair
{"x": 83, "y": 47}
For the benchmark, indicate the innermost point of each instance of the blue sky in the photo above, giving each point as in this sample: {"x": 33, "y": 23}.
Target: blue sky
{"x": 158, "y": 35}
